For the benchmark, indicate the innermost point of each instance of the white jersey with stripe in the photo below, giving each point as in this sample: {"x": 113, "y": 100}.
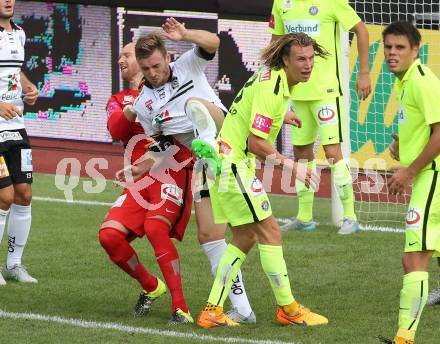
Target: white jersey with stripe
{"x": 162, "y": 109}
{"x": 11, "y": 60}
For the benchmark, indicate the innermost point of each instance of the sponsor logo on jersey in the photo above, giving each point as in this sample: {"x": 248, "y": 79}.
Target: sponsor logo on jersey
{"x": 26, "y": 160}
{"x": 119, "y": 201}
{"x": 162, "y": 117}
{"x": 265, "y": 75}
{"x": 4, "y": 172}
{"x": 262, "y": 123}
{"x": 10, "y": 95}
{"x": 256, "y": 187}
{"x": 12, "y": 82}
{"x": 313, "y": 10}
{"x": 127, "y": 100}
{"x": 326, "y": 114}
{"x": 272, "y": 21}
{"x": 224, "y": 148}
{"x": 413, "y": 218}
{"x": 311, "y": 27}
{"x": 172, "y": 193}
{"x": 149, "y": 104}
{"x": 10, "y": 136}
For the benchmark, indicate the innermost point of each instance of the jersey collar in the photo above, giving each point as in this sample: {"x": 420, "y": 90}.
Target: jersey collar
{"x": 14, "y": 27}
{"x": 146, "y": 83}
{"x": 410, "y": 71}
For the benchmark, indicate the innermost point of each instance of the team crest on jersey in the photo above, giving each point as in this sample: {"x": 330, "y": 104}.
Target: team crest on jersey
{"x": 401, "y": 114}
{"x": 265, "y": 205}
{"x": 265, "y": 75}
{"x": 224, "y": 148}
{"x": 287, "y": 5}
{"x": 12, "y": 82}
{"x": 313, "y": 10}
{"x": 171, "y": 192}
{"x": 413, "y": 218}
{"x": 174, "y": 82}
{"x": 326, "y": 114}
{"x": 161, "y": 92}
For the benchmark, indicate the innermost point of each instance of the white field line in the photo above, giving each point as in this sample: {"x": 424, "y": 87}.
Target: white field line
{"x": 62, "y": 200}
{"x": 131, "y": 329}
{"x": 367, "y": 228}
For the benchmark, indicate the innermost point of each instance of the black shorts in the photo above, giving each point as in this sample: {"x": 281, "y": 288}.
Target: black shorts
{"x": 15, "y": 158}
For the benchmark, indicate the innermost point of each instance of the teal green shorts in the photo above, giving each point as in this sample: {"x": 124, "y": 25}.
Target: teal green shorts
{"x": 238, "y": 196}
{"x": 423, "y": 217}
{"x": 325, "y": 116}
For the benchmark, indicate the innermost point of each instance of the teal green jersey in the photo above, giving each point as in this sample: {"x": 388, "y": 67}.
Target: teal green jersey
{"x": 259, "y": 108}
{"x": 418, "y": 96}
{"x": 319, "y": 19}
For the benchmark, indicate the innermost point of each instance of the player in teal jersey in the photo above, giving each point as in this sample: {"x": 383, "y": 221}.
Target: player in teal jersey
{"x": 238, "y": 197}
{"x": 319, "y": 102}
{"x": 418, "y": 149}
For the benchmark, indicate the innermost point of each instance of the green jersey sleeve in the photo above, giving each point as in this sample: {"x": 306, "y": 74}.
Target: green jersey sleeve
{"x": 428, "y": 98}
{"x": 265, "y": 111}
{"x": 345, "y": 14}
{"x": 276, "y": 26}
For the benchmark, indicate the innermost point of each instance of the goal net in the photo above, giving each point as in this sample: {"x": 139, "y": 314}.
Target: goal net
{"x": 372, "y": 121}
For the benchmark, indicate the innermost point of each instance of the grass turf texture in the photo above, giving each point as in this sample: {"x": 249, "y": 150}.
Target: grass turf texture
{"x": 353, "y": 280}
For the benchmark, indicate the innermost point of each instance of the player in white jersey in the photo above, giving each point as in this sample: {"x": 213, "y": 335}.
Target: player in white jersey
{"x": 177, "y": 100}
{"x": 15, "y": 150}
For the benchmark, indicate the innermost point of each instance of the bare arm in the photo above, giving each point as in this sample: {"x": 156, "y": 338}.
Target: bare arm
{"x": 177, "y": 31}
{"x": 363, "y": 83}
{"x": 30, "y": 91}
{"x": 403, "y": 176}
{"x": 431, "y": 151}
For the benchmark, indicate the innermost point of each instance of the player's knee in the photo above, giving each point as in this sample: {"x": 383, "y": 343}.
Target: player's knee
{"x": 207, "y": 232}
{"x": 23, "y": 196}
{"x": 6, "y": 200}
{"x": 110, "y": 238}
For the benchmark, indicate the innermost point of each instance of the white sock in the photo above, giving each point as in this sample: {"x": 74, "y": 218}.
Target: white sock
{"x": 239, "y": 300}
{"x": 204, "y": 125}
{"x": 3, "y": 215}
{"x": 19, "y": 226}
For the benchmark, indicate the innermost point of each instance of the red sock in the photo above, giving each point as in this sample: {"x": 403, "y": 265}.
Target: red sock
{"x": 167, "y": 258}
{"x": 123, "y": 255}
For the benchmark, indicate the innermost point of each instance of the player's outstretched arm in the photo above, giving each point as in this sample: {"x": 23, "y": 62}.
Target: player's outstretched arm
{"x": 176, "y": 31}
{"x": 363, "y": 83}
{"x": 265, "y": 152}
